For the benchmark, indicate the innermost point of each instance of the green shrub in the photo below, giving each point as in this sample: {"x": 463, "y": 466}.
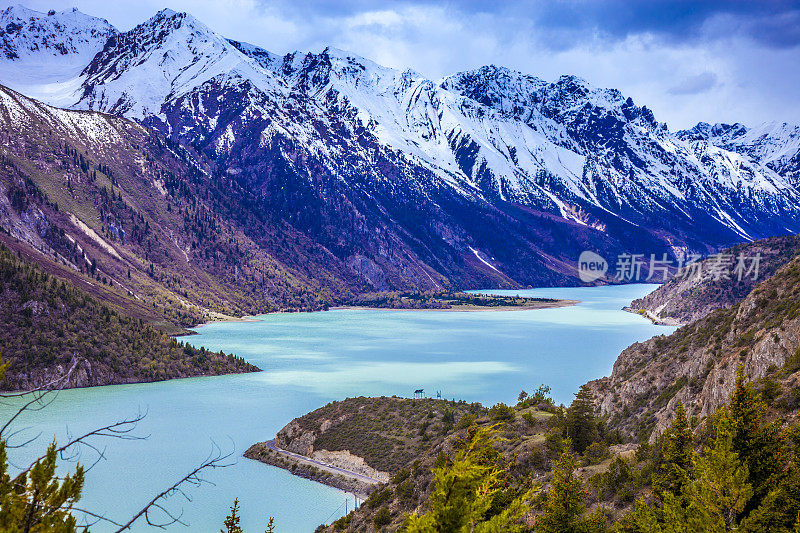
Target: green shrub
{"x": 596, "y": 452}
{"x": 378, "y": 498}
{"x": 466, "y": 420}
{"x": 382, "y": 518}
{"x": 529, "y": 418}
{"x": 405, "y": 490}
{"x": 401, "y": 476}
{"x": 501, "y": 412}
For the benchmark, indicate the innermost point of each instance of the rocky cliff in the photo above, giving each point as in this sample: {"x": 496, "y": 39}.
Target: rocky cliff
{"x": 697, "y": 364}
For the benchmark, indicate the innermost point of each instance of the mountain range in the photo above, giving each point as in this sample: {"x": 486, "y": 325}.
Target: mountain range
{"x": 391, "y": 180}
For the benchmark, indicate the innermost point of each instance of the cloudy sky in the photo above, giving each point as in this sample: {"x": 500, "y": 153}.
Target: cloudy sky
{"x": 688, "y": 61}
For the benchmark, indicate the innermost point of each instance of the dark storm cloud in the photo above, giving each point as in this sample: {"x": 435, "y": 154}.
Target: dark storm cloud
{"x": 772, "y": 23}
{"x": 781, "y": 30}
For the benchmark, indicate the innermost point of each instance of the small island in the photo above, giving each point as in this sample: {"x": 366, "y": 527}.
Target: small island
{"x": 451, "y": 301}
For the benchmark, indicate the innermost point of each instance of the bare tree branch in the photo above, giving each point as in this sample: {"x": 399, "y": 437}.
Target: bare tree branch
{"x": 213, "y": 461}
{"x": 117, "y": 430}
{"x": 97, "y": 517}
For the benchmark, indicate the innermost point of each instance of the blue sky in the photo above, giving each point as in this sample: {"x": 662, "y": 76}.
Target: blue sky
{"x": 688, "y": 61}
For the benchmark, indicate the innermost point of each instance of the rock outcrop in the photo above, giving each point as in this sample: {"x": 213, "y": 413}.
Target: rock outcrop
{"x": 697, "y": 364}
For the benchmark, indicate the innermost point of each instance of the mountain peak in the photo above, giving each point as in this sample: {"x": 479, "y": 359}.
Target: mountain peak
{"x": 163, "y": 58}
{"x": 20, "y": 11}
{"x": 171, "y": 20}
{"x": 352, "y": 59}
{"x": 30, "y": 34}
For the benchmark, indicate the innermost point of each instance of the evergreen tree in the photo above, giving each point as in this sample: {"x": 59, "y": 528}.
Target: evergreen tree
{"x": 37, "y": 500}
{"x": 780, "y": 508}
{"x": 720, "y": 490}
{"x": 233, "y": 519}
{"x": 760, "y": 445}
{"x": 710, "y": 502}
{"x": 676, "y": 462}
{"x": 580, "y": 423}
{"x": 565, "y": 503}
{"x": 466, "y": 493}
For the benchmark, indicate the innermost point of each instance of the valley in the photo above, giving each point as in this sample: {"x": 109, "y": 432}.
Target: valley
{"x": 312, "y": 359}
{"x": 212, "y": 250}
{"x": 297, "y": 181}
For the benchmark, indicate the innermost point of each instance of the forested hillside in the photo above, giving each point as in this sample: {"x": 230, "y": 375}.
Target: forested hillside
{"x": 153, "y": 227}
{"x": 50, "y": 330}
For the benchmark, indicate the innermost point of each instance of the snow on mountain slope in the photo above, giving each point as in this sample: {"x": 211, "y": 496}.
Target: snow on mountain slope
{"x": 775, "y": 145}
{"x": 317, "y": 125}
{"x": 44, "y": 53}
{"x": 163, "y": 58}
{"x": 95, "y": 127}
{"x": 444, "y": 131}
{"x": 634, "y": 164}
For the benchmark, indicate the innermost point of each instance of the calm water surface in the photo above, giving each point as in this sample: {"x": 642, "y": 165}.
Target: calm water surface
{"x": 308, "y": 360}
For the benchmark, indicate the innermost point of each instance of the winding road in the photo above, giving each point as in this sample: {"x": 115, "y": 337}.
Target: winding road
{"x": 271, "y": 444}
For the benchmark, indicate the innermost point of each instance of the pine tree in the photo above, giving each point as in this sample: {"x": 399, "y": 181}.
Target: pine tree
{"x": 780, "y": 508}
{"x": 710, "y": 502}
{"x": 581, "y": 424}
{"x": 720, "y": 490}
{"x": 760, "y": 445}
{"x": 232, "y": 520}
{"x": 676, "y": 462}
{"x": 565, "y": 504}
{"x": 38, "y": 500}
{"x": 466, "y": 491}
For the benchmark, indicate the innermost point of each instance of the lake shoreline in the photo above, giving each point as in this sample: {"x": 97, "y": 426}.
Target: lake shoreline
{"x": 555, "y": 304}
{"x": 302, "y": 467}
{"x": 465, "y": 308}
{"x": 313, "y": 359}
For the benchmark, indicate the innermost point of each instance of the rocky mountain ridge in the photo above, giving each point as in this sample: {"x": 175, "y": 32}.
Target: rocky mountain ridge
{"x": 486, "y": 178}
{"x": 139, "y": 222}
{"x": 715, "y": 283}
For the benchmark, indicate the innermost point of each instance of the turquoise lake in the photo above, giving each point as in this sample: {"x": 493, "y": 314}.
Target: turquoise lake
{"x": 308, "y": 360}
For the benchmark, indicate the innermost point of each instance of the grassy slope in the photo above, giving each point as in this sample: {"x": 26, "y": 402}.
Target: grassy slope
{"x": 191, "y": 248}
{"x": 405, "y": 437}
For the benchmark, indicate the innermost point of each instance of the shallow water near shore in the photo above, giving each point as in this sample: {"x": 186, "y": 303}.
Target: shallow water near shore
{"x": 308, "y": 360}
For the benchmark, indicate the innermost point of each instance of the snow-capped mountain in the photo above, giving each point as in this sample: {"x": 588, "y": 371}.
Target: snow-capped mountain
{"x": 163, "y": 59}
{"x": 774, "y": 145}
{"x": 44, "y": 53}
{"x": 386, "y": 167}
